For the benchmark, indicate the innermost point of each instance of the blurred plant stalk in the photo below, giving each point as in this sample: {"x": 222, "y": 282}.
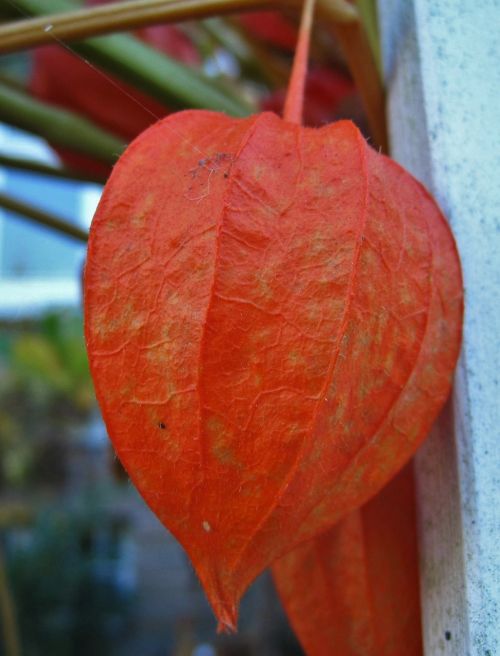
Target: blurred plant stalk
{"x": 62, "y": 172}
{"x": 42, "y": 217}
{"x": 11, "y": 639}
{"x": 70, "y": 25}
{"x": 58, "y": 126}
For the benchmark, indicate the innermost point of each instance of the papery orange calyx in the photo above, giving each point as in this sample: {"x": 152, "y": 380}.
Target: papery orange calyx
{"x": 354, "y": 590}
{"x": 273, "y": 316}
{"x": 272, "y": 320}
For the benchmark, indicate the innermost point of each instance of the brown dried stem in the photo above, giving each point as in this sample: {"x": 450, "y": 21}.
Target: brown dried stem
{"x": 104, "y": 19}
{"x": 12, "y": 642}
{"x": 358, "y": 53}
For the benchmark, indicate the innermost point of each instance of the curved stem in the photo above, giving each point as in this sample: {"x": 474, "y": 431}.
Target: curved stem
{"x": 294, "y": 102}
{"x": 58, "y": 126}
{"x": 68, "y": 25}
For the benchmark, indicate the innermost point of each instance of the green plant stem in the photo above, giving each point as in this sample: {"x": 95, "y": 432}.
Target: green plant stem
{"x": 73, "y": 25}
{"x": 64, "y": 173}
{"x": 172, "y": 83}
{"x": 12, "y": 642}
{"x": 58, "y": 126}
{"x": 42, "y": 218}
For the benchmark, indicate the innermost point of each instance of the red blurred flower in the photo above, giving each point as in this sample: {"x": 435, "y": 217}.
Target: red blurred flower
{"x": 271, "y": 27}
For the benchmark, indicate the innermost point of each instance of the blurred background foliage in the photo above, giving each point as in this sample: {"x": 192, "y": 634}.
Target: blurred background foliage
{"x": 82, "y": 610}
{"x": 45, "y": 391}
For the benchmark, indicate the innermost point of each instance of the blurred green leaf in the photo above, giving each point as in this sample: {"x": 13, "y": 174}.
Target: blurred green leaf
{"x": 169, "y": 81}
{"x": 58, "y": 126}
{"x": 172, "y": 83}
{"x": 45, "y": 391}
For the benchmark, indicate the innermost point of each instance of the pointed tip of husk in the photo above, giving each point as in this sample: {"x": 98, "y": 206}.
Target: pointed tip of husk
{"x": 222, "y": 596}
{"x": 227, "y": 619}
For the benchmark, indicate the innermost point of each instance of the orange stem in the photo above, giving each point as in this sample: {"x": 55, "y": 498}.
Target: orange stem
{"x": 294, "y": 102}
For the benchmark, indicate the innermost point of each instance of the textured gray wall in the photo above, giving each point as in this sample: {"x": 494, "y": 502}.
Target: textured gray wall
{"x": 442, "y": 69}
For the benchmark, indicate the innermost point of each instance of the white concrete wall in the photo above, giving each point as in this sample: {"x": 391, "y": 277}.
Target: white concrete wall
{"x": 442, "y": 70}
